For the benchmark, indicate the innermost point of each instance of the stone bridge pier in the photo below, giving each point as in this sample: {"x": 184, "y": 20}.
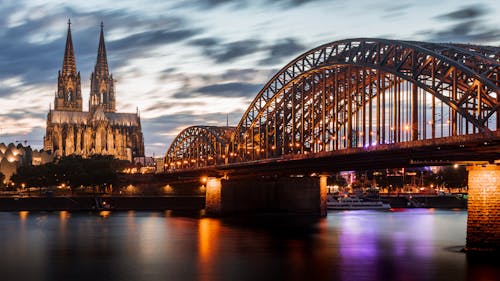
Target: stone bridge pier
{"x": 305, "y": 195}
{"x": 483, "y": 220}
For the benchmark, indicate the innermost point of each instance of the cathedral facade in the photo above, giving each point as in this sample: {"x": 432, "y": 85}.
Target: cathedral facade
{"x": 101, "y": 130}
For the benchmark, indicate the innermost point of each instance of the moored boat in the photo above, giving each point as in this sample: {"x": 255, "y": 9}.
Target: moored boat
{"x": 355, "y": 203}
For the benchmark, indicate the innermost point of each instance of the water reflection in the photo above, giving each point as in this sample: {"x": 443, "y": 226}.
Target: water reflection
{"x": 360, "y": 245}
{"x": 208, "y": 247}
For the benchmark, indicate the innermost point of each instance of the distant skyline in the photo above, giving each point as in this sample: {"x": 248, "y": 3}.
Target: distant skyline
{"x": 184, "y": 63}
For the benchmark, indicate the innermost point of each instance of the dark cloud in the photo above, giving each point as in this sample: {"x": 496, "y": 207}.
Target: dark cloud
{"x": 234, "y": 89}
{"x": 169, "y": 105}
{"x": 241, "y": 4}
{"x": 466, "y": 13}
{"x": 468, "y": 27}
{"x": 204, "y": 42}
{"x": 151, "y": 39}
{"x": 286, "y": 48}
{"x": 223, "y": 53}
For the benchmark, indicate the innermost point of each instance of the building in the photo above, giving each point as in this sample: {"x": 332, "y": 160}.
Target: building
{"x": 13, "y": 156}
{"x": 101, "y": 130}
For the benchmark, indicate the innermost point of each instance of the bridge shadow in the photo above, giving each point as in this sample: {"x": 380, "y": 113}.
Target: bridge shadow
{"x": 278, "y": 225}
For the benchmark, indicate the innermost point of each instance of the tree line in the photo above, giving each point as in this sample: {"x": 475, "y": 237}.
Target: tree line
{"x": 72, "y": 171}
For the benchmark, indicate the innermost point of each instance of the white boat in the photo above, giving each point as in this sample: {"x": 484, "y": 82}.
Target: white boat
{"x": 355, "y": 203}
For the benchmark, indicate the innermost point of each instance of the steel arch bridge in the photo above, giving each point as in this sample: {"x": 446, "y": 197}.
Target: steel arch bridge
{"x": 360, "y": 93}
{"x": 199, "y": 146}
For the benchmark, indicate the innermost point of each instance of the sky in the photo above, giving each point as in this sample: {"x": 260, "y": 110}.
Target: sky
{"x": 197, "y": 62}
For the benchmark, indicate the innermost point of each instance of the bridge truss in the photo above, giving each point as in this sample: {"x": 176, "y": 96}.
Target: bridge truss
{"x": 199, "y": 146}
{"x": 360, "y": 93}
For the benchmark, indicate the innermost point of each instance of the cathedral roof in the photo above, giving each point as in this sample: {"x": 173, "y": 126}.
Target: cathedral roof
{"x": 84, "y": 118}
{"x": 99, "y": 115}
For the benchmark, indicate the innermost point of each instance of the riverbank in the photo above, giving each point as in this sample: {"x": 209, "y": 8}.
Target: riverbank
{"x": 88, "y": 203}
{"x": 183, "y": 202}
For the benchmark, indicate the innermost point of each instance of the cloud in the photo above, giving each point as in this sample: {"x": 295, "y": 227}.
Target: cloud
{"x": 233, "y": 89}
{"x": 465, "y": 13}
{"x": 224, "y": 53}
{"x": 286, "y": 48}
{"x": 205, "y": 42}
{"x": 242, "y": 4}
{"x": 467, "y": 27}
{"x": 152, "y": 39}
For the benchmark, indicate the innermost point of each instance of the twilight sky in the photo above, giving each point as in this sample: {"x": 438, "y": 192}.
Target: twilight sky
{"x": 192, "y": 62}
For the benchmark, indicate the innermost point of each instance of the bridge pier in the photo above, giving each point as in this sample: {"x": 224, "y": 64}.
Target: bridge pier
{"x": 483, "y": 220}
{"x": 261, "y": 195}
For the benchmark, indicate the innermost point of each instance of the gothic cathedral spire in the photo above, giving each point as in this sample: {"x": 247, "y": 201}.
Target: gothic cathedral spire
{"x": 68, "y": 96}
{"x": 102, "y": 91}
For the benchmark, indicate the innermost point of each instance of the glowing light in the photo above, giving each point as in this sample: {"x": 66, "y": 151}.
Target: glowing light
{"x": 104, "y": 214}
{"x": 23, "y": 215}
{"x": 168, "y": 189}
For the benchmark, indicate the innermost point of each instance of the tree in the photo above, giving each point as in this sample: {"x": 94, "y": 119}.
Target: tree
{"x": 73, "y": 171}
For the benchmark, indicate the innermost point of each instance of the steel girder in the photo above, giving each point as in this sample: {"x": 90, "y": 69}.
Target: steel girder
{"x": 199, "y": 146}
{"x": 360, "y": 92}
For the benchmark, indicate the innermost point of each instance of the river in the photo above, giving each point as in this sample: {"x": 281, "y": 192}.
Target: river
{"x": 404, "y": 244}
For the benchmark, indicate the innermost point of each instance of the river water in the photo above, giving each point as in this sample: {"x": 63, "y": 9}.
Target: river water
{"x": 406, "y": 244}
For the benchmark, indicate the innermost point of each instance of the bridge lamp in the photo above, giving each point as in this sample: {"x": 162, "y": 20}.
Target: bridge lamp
{"x": 204, "y": 180}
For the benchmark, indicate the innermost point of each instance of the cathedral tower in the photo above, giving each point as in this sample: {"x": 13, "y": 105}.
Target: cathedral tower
{"x": 102, "y": 91}
{"x": 99, "y": 131}
{"x": 68, "y": 96}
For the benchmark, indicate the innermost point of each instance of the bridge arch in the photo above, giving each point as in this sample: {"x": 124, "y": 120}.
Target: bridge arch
{"x": 199, "y": 146}
{"x": 363, "y": 92}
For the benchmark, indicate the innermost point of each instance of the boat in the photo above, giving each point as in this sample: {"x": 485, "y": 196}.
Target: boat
{"x": 355, "y": 203}
{"x": 102, "y": 205}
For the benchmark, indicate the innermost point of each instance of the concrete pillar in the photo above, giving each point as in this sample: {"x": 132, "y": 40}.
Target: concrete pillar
{"x": 483, "y": 220}
{"x": 213, "y": 198}
{"x": 305, "y": 195}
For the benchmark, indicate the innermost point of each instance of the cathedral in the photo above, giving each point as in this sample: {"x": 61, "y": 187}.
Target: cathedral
{"x": 101, "y": 130}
